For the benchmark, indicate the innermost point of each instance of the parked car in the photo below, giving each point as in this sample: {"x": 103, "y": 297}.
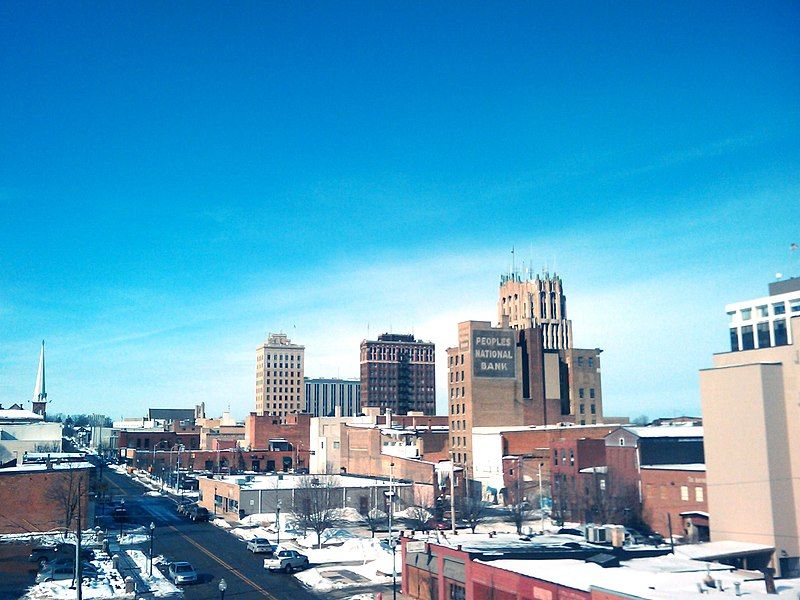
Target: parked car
{"x": 182, "y": 572}
{"x": 260, "y": 545}
{"x": 197, "y": 513}
{"x": 286, "y": 561}
{"x": 45, "y": 554}
{"x": 184, "y": 506}
{"x": 57, "y": 572}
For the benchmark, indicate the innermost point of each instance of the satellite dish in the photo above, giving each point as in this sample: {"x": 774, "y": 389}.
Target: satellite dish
{"x": 778, "y": 275}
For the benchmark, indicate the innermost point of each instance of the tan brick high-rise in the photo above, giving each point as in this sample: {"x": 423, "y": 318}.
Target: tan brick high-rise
{"x": 280, "y": 389}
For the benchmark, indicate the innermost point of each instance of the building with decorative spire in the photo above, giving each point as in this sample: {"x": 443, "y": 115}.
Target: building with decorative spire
{"x": 40, "y": 391}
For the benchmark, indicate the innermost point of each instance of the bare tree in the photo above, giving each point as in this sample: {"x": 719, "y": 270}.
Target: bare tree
{"x": 63, "y": 491}
{"x": 376, "y": 519}
{"x": 518, "y": 514}
{"x": 315, "y": 504}
{"x": 471, "y": 511}
{"x": 418, "y": 518}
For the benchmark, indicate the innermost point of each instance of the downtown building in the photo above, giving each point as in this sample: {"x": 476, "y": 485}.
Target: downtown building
{"x": 333, "y": 397}
{"x": 280, "y": 385}
{"x": 522, "y": 372}
{"x": 397, "y": 373}
{"x": 751, "y": 410}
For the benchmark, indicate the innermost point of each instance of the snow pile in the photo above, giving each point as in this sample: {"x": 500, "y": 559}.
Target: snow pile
{"x": 152, "y": 493}
{"x": 325, "y": 579}
{"x": 413, "y": 512}
{"x": 133, "y": 539}
{"x": 329, "y": 537}
{"x": 358, "y": 549}
{"x": 222, "y": 523}
{"x": 258, "y": 519}
{"x": 159, "y": 585}
{"x": 249, "y": 533}
{"x": 348, "y": 515}
{"x": 108, "y": 584}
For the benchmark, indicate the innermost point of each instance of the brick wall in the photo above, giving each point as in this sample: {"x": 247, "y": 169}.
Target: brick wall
{"x": 296, "y": 429}
{"x": 673, "y": 492}
{"x": 31, "y": 501}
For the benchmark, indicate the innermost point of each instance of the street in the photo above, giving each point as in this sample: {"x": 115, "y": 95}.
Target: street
{"x": 213, "y": 552}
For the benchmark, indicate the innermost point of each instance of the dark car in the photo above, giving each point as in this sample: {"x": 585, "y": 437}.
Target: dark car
{"x": 184, "y": 507}
{"x": 45, "y": 554}
{"x": 198, "y": 513}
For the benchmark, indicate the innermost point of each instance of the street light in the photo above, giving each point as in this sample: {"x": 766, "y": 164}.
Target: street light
{"x": 222, "y": 587}
{"x": 152, "y": 531}
{"x": 391, "y": 532}
{"x": 278, "y": 521}
{"x": 215, "y": 500}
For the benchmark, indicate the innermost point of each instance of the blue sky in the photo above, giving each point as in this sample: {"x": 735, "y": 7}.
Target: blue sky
{"x": 177, "y": 180}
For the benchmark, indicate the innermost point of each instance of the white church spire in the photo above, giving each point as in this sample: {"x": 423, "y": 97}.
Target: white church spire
{"x": 40, "y": 392}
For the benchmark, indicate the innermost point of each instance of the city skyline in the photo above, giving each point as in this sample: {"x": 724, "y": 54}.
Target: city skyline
{"x": 252, "y": 170}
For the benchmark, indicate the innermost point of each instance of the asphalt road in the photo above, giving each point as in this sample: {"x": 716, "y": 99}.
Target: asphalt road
{"x": 213, "y": 552}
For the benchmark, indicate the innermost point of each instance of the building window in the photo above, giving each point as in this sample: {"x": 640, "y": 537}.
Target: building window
{"x": 746, "y": 313}
{"x": 593, "y": 409}
{"x": 763, "y": 335}
{"x": 734, "y": 339}
{"x": 748, "y": 343}
{"x": 591, "y": 361}
{"x": 555, "y": 457}
{"x": 591, "y": 392}
{"x": 457, "y": 592}
{"x": 621, "y": 441}
{"x": 571, "y": 458}
{"x": 580, "y": 361}
{"x": 762, "y": 311}
{"x": 685, "y": 493}
{"x": 698, "y": 494}
{"x": 779, "y": 308}
{"x": 580, "y": 393}
{"x": 794, "y": 305}
{"x": 779, "y": 330}
{"x": 581, "y": 408}
{"x": 335, "y": 444}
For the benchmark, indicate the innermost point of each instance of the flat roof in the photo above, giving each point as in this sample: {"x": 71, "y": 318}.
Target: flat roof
{"x": 509, "y": 429}
{"x": 677, "y": 467}
{"x": 672, "y": 431}
{"x": 289, "y": 481}
{"x": 14, "y": 414}
{"x": 28, "y": 468}
{"x": 720, "y": 549}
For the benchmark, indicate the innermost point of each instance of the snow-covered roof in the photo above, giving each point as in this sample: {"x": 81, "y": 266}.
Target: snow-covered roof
{"x": 603, "y": 469}
{"x": 13, "y": 414}
{"x": 677, "y": 467}
{"x": 720, "y": 549}
{"x": 509, "y": 429}
{"x": 662, "y": 431}
{"x": 290, "y": 481}
{"x": 26, "y": 468}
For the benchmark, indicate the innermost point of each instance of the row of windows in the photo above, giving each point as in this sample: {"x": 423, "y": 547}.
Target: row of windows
{"x": 581, "y": 393}
{"x": 459, "y": 392}
{"x": 458, "y": 424}
{"x": 778, "y": 336}
{"x": 456, "y": 409}
{"x": 589, "y": 361}
{"x": 592, "y": 408}
{"x": 778, "y": 308}
{"x": 457, "y": 359}
{"x": 459, "y": 376}
{"x": 699, "y": 493}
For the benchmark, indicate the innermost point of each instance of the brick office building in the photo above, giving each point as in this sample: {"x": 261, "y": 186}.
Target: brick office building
{"x": 674, "y": 500}
{"x": 270, "y": 431}
{"x": 33, "y": 497}
{"x": 397, "y": 373}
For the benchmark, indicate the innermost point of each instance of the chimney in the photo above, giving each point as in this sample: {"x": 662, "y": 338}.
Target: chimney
{"x": 337, "y": 412}
{"x": 389, "y": 418}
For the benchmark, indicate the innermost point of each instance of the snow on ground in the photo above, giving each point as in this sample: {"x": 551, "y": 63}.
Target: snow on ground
{"x": 348, "y": 515}
{"x": 258, "y": 519}
{"x": 249, "y": 533}
{"x": 159, "y": 585}
{"x": 133, "y": 539}
{"x": 153, "y": 493}
{"x": 413, "y": 512}
{"x": 108, "y": 584}
{"x": 50, "y": 538}
{"x": 222, "y": 523}
{"x": 329, "y": 537}
{"x": 359, "y": 549}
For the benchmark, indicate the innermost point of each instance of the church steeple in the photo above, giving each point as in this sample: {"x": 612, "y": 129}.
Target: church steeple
{"x": 40, "y": 391}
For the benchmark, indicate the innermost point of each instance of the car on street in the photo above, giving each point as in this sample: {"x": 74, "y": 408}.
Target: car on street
{"x": 286, "y": 561}
{"x": 46, "y": 554}
{"x": 57, "y": 572}
{"x": 184, "y": 506}
{"x": 257, "y": 545}
{"x": 198, "y": 513}
{"x": 181, "y": 573}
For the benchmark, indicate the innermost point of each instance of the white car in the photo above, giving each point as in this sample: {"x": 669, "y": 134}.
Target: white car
{"x": 260, "y": 545}
{"x": 287, "y": 561}
{"x": 182, "y": 572}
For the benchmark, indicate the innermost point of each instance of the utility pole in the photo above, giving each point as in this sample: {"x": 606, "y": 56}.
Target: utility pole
{"x": 541, "y": 504}
{"x": 391, "y": 531}
{"x": 78, "y": 566}
{"x": 452, "y": 492}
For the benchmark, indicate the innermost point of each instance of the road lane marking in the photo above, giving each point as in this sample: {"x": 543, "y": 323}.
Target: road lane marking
{"x": 232, "y": 569}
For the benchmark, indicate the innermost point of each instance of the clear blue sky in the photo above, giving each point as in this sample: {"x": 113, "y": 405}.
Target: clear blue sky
{"x": 177, "y": 179}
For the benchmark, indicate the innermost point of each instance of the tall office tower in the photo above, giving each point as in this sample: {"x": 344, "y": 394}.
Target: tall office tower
{"x": 538, "y": 302}
{"x": 280, "y": 388}
{"x": 750, "y": 416}
{"x": 397, "y": 372}
{"x": 333, "y": 397}
{"x": 538, "y": 307}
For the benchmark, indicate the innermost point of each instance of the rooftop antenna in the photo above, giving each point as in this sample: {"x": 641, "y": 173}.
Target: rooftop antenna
{"x": 792, "y": 258}
{"x": 512, "y": 261}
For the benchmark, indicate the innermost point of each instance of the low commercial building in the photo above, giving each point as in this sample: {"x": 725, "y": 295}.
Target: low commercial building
{"x": 675, "y": 501}
{"x": 239, "y": 496}
{"x": 484, "y": 567}
{"x": 24, "y": 431}
{"x": 36, "y": 497}
{"x": 275, "y": 432}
